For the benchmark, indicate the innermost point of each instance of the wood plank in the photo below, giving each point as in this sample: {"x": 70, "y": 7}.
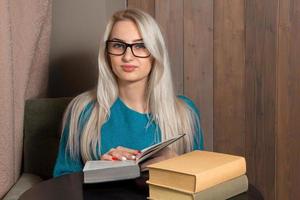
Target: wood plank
{"x": 229, "y": 77}
{"x": 145, "y": 5}
{"x": 169, "y": 15}
{"x": 261, "y": 43}
{"x": 198, "y": 61}
{"x": 288, "y": 118}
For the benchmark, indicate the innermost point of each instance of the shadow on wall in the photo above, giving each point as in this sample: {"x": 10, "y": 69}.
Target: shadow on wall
{"x": 254, "y": 193}
{"x": 72, "y": 74}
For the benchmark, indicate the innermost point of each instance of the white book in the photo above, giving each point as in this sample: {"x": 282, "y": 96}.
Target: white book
{"x": 98, "y": 171}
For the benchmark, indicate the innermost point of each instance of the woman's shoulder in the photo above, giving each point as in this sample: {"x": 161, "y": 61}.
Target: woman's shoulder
{"x": 186, "y": 100}
{"x": 83, "y": 102}
{"x": 189, "y": 102}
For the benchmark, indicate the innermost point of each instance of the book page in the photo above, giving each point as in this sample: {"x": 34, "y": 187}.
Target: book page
{"x": 102, "y": 164}
{"x": 149, "y": 151}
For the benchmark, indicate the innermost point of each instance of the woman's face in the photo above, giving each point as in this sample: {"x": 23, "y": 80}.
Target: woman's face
{"x": 127, "y": 67}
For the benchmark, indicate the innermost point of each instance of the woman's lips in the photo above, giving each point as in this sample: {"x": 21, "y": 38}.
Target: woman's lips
{"x": 128, "y": 68}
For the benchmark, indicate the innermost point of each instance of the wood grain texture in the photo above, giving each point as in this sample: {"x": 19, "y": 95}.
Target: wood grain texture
{"x": 198, "y": 61}
{"x": 261, "y": 44}
{"x": 241, "y": 67}
{"x": 229, "y": 73}
{"x": 145, "y": 5}
{"x": 288, "y": 117}
{"x": 169, "y": 15}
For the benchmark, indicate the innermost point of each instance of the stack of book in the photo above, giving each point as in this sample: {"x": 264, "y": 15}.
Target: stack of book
{"x": 198, "y": 175}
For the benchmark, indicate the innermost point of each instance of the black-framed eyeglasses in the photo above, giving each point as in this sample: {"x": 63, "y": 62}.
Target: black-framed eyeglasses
{"x": 119, "y": 48}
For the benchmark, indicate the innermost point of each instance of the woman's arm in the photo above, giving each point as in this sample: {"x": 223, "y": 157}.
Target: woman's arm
{"x": 64, "y": 163}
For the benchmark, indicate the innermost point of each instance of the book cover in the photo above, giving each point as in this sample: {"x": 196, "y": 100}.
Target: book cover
{"x": 97, "y": 171}
{"x": 197, "y": 170}
{"x": 220, "y": 191}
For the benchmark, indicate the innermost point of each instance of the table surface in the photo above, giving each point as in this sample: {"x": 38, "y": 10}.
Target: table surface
{"x": 71, "y": 187}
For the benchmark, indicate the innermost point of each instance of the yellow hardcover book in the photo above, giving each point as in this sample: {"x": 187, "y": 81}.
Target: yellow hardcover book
{"x": 197, "y": 170}
{"x": 221, "y": 191}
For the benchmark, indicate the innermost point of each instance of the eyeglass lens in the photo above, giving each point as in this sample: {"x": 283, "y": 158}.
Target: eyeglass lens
{"x": 119, "y": 48}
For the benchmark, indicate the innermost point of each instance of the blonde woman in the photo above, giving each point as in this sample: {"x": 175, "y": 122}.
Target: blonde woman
{"x": 133, "y": 105}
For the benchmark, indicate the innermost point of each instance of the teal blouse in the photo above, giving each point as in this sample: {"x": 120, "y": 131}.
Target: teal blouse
{"x": 125, "y": 127}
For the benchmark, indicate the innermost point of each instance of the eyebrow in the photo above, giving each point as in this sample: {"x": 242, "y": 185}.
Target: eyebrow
{"x": 137, "y": 40}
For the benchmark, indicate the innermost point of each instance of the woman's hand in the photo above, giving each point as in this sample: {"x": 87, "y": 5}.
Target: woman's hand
{"x": 120, "y": 153}
{"x": 164, "y": 154}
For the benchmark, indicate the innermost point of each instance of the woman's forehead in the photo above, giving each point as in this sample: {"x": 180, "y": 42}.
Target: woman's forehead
{"x": 126, "y": 31}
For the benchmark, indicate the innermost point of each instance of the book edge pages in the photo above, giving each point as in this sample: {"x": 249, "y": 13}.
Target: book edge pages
{"x": 117, "y": 164}
{"x": 240, "y": 181}
{"x": 241, "y": 170}
{"x": 133, "y": 172}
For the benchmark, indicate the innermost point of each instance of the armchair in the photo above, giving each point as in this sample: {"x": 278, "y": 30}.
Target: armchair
{"x": 42, "y": 120}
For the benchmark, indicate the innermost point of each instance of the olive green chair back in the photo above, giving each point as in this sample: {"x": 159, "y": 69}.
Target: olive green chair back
{"x": 42, "y": 129}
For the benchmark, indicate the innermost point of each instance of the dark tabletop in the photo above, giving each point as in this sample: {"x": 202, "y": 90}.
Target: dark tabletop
{"x": 71, "y": 187}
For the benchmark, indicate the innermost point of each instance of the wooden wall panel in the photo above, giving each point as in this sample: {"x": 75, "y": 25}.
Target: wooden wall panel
{"x": 229, "y": 77}
{"x": 239, "y": 61}
{"x": 198, "y": 61}
{"x": 146, "y": 5}
{"x": 261, "y": 44}
{"x": 288, "y": 117}
{"x": 169, "y": 15}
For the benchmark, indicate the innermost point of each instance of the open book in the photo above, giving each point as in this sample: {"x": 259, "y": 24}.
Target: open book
{"x": 97, "y": 171}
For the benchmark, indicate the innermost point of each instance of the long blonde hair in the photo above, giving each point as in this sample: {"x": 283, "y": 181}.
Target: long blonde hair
{"x": 171, "y": 114}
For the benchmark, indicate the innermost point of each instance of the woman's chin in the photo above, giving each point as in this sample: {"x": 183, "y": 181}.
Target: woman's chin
{"x": 128, "y": 81}
{"x": 131, "y": 79}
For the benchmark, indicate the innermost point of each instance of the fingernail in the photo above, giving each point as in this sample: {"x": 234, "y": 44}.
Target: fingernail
{"x": 114, "y": 158}
{"x": 123, "y": 158}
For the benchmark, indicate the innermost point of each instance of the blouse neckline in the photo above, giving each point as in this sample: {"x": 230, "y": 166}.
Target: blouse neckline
{"x": 128, "y": 108}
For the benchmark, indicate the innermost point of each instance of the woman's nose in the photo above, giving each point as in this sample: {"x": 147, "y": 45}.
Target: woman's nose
{"x": 128, "y": 54}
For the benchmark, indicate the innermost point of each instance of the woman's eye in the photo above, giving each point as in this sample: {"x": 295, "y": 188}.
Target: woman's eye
{"x": 140, "y": 46}
{"x": 118, "y": 46}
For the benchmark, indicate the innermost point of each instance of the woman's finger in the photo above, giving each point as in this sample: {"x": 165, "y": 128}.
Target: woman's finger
{"x": 128, "y": 156}
{"x": 122, "y": 153}
{"x": 116, "y": 155}
{"x": 131, "y": 151}
{"x": 106, "y": 157}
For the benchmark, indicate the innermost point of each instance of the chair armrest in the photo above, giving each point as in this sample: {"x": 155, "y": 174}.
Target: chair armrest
{"x": 25, "y": 182}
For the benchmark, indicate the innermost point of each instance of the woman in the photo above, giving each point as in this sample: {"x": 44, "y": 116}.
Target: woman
{"x": 133, "y": 106}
